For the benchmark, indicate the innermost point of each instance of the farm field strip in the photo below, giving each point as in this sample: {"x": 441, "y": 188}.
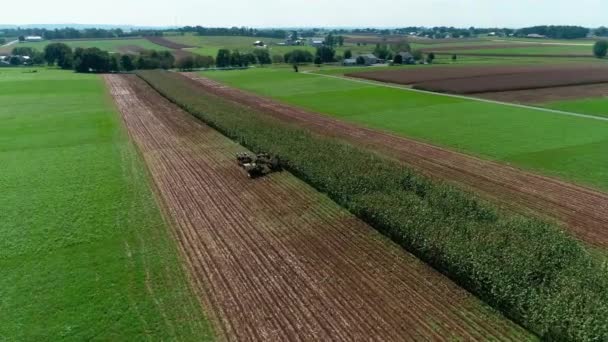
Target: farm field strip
{"x": 583, "y": 210}
{"x": 278, "y": 261}
{"x": 84, "y": 251}
{"x": 463, "y": 97}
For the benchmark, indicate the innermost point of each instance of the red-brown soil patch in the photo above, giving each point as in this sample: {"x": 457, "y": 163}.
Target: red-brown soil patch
{"x": 536, "y": 96}
{"x": 130, "y": 49}
{"x": 167, "y": 43}
{"x": 420, "y": 73}
{"x": 273, "y": 259}
{"x": 479, "y": 47}
{"x": 518, "y": 81}
{"x": 582, "y": 210}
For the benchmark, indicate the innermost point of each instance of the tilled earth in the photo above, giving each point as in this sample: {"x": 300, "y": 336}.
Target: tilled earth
{"x": 583, "y": 211}
{"x": 272, "y": 259}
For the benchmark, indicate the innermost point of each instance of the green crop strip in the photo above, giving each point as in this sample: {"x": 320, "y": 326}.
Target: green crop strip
{"x": 530, "y": 270}
{"x": 84, "y": 251}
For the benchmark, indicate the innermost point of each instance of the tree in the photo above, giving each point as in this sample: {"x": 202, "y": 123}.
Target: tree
{"x": 326, "y": 54}
{"x": 23, "y": 51}
{"x": 454, "y": 58}
{"x": 185, "y": 63}
{"x": 59, "y": 53}
{"x": 37, "y": 58}
{"x": 600, "y": 49}
{"x": 340, "y": 40}
{"x": 360, "y": 60}
{"x": 2, "y": 41}
{"x": 401, "y": 46}
{"x": 114, "y": 63}
{"x": 417, "y": 54}
{"x": 398, "y": 59}
{"x": 223, "y": 58}
{"x": 348, "y": 54}
{"x": 381, "y": 51}
{"x": 248, "y": 59}
{"x": 330, "y": 40}
{"x": 262, "y": 56}
{"x": 298, "y": 56}
{"x": 277, "y": 59}
{"x": 21, "y": 38}
{"x": 126, "y": 62}
{"x": 92, "y": 60}
{"x": 236, "y": 59}
{"x": 430, "y": 58}
{"x": 203, "y": 61}
{"x": 14, "y": 61}
{"x": 318, "y": 61}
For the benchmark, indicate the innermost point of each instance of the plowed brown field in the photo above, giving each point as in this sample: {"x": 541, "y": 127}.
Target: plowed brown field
{"x": 275, "y": 260}
{"x": 167, "y": 43}
{"x": 467, "y": 74}
{"x": 584, "y": 211}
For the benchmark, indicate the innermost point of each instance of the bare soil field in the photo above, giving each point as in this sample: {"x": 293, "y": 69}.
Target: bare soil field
{"x": 130, "y": 49}
{"x": 536, "y": 96}
{"x": 274, "y": 260}
{"x": 420, "y": 74}
{"x": 518, "y": 81}
{"x": 168, "y": 43}
{"x": 583, "y": 211}
{"x": 479, "y": 47}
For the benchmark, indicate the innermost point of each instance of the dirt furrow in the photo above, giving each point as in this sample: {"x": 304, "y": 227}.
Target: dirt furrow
{"x": 582, "y": 210}
{"x": 274, "y": 259}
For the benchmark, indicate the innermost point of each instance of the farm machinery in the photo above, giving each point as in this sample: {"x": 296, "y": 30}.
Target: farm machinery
{"x": 260, "y": 165}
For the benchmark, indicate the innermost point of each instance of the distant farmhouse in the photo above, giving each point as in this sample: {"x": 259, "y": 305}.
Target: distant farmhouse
{"x": 535, "y": 35}
{"x": 407, "y": 58}
{"x": 317, "y": 42}
{"x": 33, "y": 39}
{"x": 259, "y": 44}
{"x": 367, "y": 60}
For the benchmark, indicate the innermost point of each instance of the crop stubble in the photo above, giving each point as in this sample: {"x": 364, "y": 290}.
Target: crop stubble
{"x": 273, "y": 259}
{"x": 582, "y": 210}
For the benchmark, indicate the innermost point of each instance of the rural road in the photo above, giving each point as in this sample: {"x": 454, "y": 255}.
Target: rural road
{"x": 406, "y": 88}
{"x": 9, "y": 43}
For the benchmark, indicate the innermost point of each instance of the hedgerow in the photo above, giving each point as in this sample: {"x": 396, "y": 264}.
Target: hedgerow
{"x": 530, "y": 270}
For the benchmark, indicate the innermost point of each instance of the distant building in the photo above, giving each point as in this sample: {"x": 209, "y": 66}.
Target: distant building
{"x": 259, "y": 44}
{"x": 534, "y": 35}
{"x": 370, "y": 59}
{"x": 407, "y": 58}
{"x": 33, "y": 39}
{"x": 317, "y": 42}
{"x": 349, "y": 62}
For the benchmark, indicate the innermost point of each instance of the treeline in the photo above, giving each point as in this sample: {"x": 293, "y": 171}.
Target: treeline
{"x": 94, "y": 60}
{"x": 530, "y": 270}
{"x": 235, "y": 31}
{"x": 556, "y": 32}
{"x": 72, "y": 33}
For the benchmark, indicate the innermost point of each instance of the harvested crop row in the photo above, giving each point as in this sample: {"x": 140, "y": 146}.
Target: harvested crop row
{"x": 519, "y": 81}
{"x": 167, "y": 43}
{"x": 275, "y": 260}
{"x": 441, "y": 73}
{"x": 529, "y": 269}
{"x": 582, "y": 210}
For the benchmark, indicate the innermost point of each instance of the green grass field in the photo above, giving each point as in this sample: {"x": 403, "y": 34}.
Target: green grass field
{"x": 112, "y": 45}
{"x": 209, "y": 45}
{"x": 593, "y": 106}
{"x": 84, "y": 251}
{"x": 532, "y": 139}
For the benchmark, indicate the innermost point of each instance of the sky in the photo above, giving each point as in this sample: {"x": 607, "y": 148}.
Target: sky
{"x": 310, "y": 13}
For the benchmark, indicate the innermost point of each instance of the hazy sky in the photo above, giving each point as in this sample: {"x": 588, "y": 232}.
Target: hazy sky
{"x": 290, "y": 13}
